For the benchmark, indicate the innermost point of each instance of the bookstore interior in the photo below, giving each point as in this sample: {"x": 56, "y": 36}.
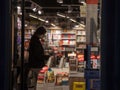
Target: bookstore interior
{"x": 72, "y": 41}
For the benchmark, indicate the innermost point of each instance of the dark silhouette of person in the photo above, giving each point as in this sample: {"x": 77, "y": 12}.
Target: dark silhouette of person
{"x": 36, "y": 50}
{"x": 36, "y": 55}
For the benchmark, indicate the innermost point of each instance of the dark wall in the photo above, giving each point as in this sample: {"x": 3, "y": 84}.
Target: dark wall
{"x": 5, "y": 45}
{"x": 110, "y": 45}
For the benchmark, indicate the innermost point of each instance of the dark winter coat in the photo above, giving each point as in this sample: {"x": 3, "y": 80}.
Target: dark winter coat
{"x": 36, "y": 53}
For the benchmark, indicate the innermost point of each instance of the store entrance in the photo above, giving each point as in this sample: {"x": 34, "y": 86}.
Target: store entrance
{"x": 109, "y": 47}
{"x": 71, "y": 44}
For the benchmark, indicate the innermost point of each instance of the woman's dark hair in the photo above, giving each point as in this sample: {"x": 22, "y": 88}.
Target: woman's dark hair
{"x": 40, "y": 31}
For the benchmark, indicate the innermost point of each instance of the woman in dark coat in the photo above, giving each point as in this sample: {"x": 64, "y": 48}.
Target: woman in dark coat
{"x": 36, "y": 57}
{"x": 36, "y": 51}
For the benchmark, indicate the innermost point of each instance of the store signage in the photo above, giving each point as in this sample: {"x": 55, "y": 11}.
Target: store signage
{"x": 92, "y": 1}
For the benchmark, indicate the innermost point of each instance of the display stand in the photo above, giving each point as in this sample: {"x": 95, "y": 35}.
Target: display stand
{"x": 62, "y": 63}
{"x": 50, "y": 60}
{"x": 56, "y": 84}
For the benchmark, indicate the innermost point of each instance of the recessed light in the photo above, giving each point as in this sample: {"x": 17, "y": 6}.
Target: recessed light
{"x": 60, "y": 1}
{"x": 34, "y": 9}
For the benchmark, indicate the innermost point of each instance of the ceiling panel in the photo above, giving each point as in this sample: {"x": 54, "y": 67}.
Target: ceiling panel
{"x": 50, "y": 8}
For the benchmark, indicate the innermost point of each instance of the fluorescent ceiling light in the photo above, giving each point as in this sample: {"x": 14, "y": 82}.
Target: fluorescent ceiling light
{"x": 37, "y": 18}
{"x": 53, "y": 24}
{"x": 67, "y": 17}
{"x": 33, "y": 16}
{"x": 41, "y": 19}
{"x": 73, "y": 20}
{"x": 60, "y": 15}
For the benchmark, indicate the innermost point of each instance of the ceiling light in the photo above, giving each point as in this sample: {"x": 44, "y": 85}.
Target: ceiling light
{"x": 19, "y": 10}
{"x": 33, "y": 16}
{"x": 60, "y": 15}
{"x": 47, "y": 21}
{"x": 67, "y": 17}
{"x": 39, "y": 12}
{"x": 60, "y": 1}
{"x": 18, "y": 7}
{"x": 26, "y": 25}
{"x": 37, "y": 18}
{"x": 34, "y": 9}
{"x": 82, "y": 1}
{"x": 41, "y": 19}
{"x": 53, "y": 24}
{"x": 78, "y": 27}
{"x": 73, "y": 20}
